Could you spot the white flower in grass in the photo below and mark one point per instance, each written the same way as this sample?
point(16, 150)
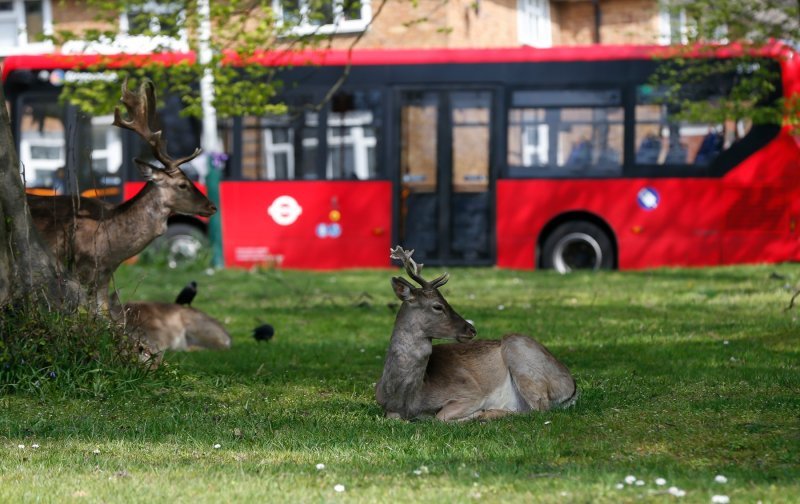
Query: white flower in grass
point(720, 499)
point(726, 342)
point(217, 446)
point(661, 481)
point(417, 472)
point(501, 307)
point(21, 447)
point(548, 422)
point(677, 492)
point(619, 486)
point(338, 488)
point(639, 483)
point(720, 479)
point(96, 451)
point(630, 479)
point(34, 446)
point(320, 467)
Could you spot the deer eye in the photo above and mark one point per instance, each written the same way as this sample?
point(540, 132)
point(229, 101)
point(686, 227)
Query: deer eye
point(183, 186)
point(438, 308)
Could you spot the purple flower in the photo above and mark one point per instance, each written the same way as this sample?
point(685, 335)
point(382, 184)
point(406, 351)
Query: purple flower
point(52, 375)
point(218, 159)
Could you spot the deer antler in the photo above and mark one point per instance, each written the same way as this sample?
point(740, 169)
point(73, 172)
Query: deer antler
point(141, 110)
point(414, 270)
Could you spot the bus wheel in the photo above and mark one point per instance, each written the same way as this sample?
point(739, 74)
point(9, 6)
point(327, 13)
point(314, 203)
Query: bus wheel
point(180, 245)
point(577, 245)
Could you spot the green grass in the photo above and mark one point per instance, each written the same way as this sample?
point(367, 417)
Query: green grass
point(685, 374)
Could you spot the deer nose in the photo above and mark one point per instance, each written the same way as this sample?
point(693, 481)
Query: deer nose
point(471, 331)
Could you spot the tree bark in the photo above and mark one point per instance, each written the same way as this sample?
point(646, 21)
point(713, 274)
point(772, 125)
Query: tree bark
point(28, 270)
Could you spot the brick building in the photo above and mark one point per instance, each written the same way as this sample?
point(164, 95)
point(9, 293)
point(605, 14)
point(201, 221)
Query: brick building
point(432, 23)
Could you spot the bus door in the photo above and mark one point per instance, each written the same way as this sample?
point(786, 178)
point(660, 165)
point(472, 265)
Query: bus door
point(445, 212)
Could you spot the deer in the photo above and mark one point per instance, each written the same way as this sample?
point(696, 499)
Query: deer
point(169, 326)
point(468, 379)
point(93, 237)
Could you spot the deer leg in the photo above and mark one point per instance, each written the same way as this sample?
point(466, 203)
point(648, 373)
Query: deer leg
point(457, 411)
point(540, 379)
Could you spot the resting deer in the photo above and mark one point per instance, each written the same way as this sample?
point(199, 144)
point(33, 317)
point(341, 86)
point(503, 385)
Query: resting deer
point(464, 380)
point(169, 326)
point(92, 237)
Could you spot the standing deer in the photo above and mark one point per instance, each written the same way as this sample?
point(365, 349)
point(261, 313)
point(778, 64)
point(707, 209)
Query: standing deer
point(465, 380)
point(92, 237)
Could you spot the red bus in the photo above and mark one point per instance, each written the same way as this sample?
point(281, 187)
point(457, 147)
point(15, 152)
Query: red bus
point(559, 158)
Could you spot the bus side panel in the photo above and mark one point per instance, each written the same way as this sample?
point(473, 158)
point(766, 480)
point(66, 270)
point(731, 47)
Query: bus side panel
point(655, 222)
point(306, 224)
point(761, 223)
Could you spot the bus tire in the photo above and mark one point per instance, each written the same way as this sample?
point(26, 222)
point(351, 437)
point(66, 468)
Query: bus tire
point(577, 245)
point(182, 244)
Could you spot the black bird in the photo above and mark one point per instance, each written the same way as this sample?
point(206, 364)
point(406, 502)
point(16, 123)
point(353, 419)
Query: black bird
point(187, 294)
point(263, 332)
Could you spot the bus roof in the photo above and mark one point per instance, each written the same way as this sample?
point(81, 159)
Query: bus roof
point(366, 57)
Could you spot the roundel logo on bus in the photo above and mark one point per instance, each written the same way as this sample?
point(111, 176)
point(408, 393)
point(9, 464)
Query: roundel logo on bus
point(284, 210)
point(648, 198)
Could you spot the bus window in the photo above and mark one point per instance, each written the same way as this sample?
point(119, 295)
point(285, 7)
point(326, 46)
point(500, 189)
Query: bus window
point(41, 144)
point(106, 155)
point(565, 133)
point(354, 124)
point(662, 139)
point(470, 141)
point(280, 147)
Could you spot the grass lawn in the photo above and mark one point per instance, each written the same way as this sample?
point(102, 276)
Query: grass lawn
point(685, 374)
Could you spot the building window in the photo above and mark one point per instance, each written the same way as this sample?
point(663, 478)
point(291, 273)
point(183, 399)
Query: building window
point(565, 134)
point(534, 23)
point(672, 26)
point(155, 24)
point(23, 23)
point(306, 17)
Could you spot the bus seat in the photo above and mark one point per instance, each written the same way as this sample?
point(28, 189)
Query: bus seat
point(711, 146)
point(649, 150)
point(581, 155)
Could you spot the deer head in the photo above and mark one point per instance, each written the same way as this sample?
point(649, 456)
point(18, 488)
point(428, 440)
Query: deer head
point(424, 308)
point(178, 193)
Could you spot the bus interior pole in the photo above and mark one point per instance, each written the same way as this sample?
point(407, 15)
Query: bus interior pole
point(209, 141)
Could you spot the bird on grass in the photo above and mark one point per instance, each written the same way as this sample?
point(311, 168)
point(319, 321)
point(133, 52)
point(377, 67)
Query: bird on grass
point(263, 332)
point(187, 294)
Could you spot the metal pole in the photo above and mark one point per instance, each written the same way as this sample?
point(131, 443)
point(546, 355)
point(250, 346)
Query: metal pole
point(210, 142)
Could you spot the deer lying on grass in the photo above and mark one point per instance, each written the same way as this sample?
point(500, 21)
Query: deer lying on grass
point(92, 237)
point(465, 380)
point(169, 326)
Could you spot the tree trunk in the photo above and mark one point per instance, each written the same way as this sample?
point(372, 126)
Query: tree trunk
point(28, 271)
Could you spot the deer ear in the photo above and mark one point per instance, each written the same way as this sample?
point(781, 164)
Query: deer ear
point(148, 171)
point(402, 289)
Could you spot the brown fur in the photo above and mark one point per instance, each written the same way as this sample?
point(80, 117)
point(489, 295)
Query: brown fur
point(465, 380)
point(168, 326)
point(92, 238)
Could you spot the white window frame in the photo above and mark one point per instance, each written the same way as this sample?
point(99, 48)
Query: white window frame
point(534, 25)
point(666, 20)
point(273, 148)
point(33, 165)
point(112, 154)
point(340, 25)
point(23, 45)
point(354, 136)
point(181, 43)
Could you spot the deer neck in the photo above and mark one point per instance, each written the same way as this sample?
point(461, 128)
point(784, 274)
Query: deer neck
point(137, 222)
point(404, 371)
